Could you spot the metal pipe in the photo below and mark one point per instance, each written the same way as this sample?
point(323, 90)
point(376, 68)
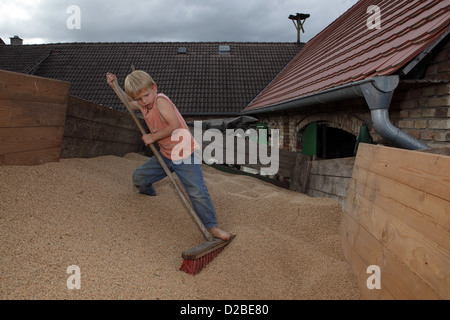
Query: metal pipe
point(387, 130)
point(347, 91)
point(378, 93)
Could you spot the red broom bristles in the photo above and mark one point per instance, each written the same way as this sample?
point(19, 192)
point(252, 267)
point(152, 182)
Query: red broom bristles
point(195, 266)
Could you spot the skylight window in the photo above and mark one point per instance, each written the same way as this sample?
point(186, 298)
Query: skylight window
point(224, 49)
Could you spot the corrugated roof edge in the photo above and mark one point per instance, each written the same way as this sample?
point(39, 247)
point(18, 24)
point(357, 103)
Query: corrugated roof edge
point(256, 97)
point(310, 99)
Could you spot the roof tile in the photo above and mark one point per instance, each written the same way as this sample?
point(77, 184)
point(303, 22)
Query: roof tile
point(199, 82)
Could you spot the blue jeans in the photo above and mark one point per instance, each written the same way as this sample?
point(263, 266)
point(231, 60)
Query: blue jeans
point(190, 175)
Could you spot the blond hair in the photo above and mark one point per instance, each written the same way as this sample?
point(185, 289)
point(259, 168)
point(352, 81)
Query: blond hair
point(137, 81)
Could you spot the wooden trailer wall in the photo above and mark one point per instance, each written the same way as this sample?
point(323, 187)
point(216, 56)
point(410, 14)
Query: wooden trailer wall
point(397, 219)
point(40, 123)
point(32, 116)
point(330, 179)
point(92, 130)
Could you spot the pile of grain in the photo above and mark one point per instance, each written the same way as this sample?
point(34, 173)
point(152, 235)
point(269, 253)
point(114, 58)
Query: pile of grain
point(86, 212)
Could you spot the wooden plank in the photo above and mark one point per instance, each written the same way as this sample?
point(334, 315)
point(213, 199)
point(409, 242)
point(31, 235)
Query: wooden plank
point(83, 109)
point(32, 117)
point(397, 197)
point(14, 140)
point(402, 282)
point(335, 168)
point(330, 178)
point(86, 129)
point(301, 173)
point(287, 162)
point(15, 114)
point(418, 249)
point(31, 158)
point(361, 250)
point(349, 229)
point(86, 148)
point(419, 170)
point(329, 184)
point(389, 197)
point(397, 208)
point(320, 194)
point(19, 87)
point(442, 151)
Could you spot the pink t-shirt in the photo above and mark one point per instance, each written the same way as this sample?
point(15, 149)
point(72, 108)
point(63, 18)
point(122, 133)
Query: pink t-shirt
point(181, 144)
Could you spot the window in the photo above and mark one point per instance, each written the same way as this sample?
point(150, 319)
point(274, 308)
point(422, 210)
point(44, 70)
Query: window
point(224, 49)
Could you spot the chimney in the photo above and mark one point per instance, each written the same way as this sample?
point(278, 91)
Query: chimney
point(16, 41)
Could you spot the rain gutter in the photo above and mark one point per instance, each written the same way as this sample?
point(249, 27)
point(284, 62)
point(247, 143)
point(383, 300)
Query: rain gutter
point(378, 93)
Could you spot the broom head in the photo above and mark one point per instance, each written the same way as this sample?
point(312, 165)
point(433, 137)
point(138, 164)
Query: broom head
point(197, 258)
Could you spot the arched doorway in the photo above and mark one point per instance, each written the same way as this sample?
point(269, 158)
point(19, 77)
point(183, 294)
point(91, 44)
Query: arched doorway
point(323, 141)
point(333, 143)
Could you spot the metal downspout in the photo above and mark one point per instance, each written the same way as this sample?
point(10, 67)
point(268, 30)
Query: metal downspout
point(378, 95)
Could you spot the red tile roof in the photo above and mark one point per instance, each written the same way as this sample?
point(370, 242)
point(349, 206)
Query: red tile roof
point(348, 51)
point(200, 81)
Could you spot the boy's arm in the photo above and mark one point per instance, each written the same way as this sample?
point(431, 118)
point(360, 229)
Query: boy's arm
point(169, 116)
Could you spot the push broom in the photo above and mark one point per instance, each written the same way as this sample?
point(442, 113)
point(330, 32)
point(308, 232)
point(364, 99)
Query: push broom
point(197, 258)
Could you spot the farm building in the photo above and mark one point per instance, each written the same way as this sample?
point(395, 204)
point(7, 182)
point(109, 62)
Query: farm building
point(353, 75)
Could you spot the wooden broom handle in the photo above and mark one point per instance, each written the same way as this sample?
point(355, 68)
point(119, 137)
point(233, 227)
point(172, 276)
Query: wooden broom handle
point(188, 205)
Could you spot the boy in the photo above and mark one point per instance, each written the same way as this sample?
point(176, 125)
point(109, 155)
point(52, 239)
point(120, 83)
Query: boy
point(164, 121)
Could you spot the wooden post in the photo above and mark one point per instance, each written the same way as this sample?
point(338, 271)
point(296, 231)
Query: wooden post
point(300, 174)
point(298, 21)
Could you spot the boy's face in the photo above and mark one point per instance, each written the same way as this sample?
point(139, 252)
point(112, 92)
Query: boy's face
point(145, 97)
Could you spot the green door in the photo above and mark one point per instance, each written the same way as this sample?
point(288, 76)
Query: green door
point(309, 140)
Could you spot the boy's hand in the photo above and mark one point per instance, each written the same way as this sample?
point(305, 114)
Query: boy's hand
point(148, 139)
point(110, 78)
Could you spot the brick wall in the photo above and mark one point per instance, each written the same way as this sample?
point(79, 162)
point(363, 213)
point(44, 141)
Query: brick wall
point(424, 113)
point(423, 110)
point(439, 67)
point(347, 115)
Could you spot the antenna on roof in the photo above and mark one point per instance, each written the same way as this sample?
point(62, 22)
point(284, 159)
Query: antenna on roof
point(298, 21)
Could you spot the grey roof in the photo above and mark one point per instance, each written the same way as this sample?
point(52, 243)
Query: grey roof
point(196, 76)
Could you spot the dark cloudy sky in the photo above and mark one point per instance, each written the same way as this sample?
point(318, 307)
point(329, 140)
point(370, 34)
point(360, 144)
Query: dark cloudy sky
point(46, 21)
